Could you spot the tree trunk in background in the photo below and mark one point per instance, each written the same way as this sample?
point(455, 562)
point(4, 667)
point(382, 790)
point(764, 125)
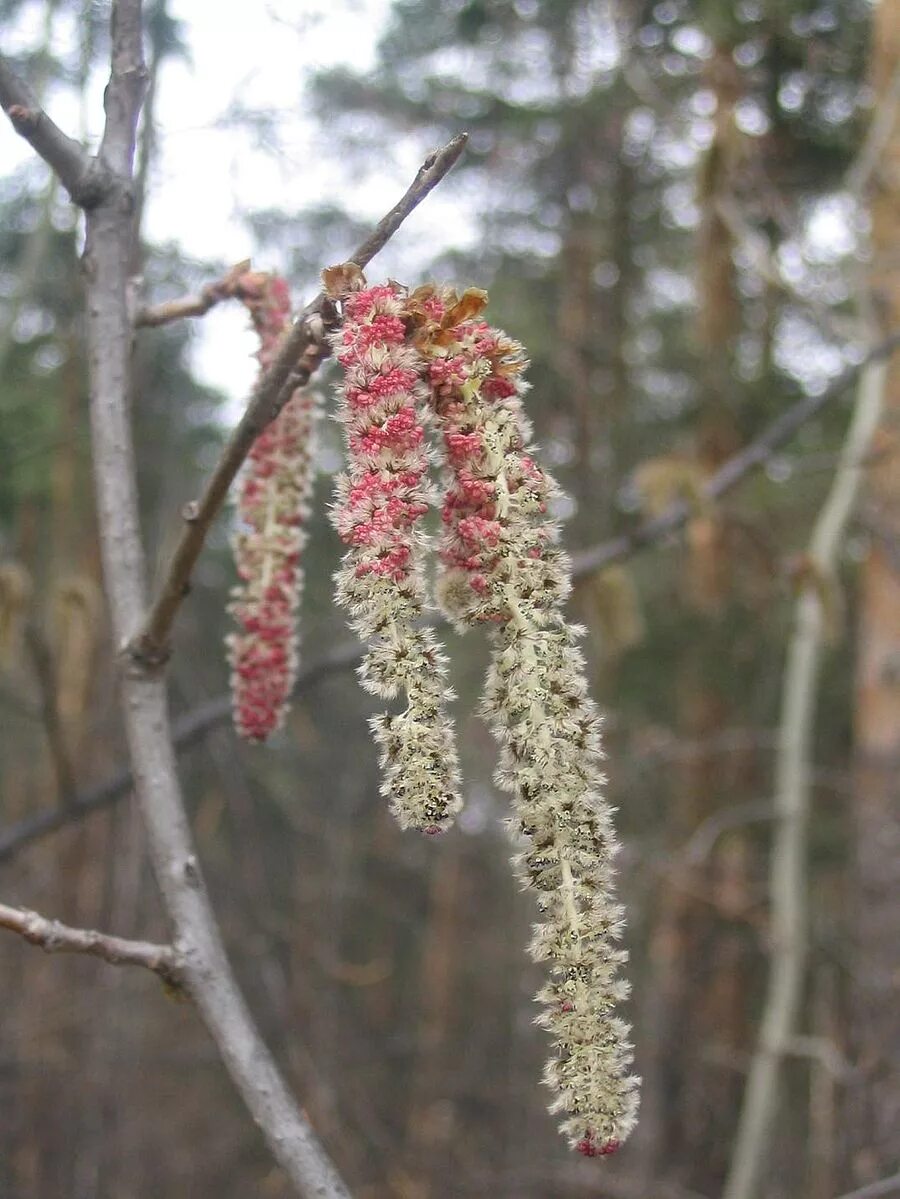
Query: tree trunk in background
point(699, 948)
point(874, 1099)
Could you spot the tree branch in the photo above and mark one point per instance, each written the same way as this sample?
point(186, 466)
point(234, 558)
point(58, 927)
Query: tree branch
point(54, 937)
point(205, 971)
point(125, 91)
point(76, 169)
point(750, 458)
point(299, 355)
point(212, 294)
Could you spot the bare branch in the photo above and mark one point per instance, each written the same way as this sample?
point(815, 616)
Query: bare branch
point(298, 357)
point(125, 90)
point(76, 170)
point(732, 472)
point(211, 295)
point(438, 164)
point(205, 972)
point(54, 937)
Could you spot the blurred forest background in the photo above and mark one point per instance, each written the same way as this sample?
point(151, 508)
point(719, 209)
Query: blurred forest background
point(688, 212)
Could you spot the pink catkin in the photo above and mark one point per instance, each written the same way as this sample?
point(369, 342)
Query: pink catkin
point(479, 497)
point(273, 505)
point(379, 511)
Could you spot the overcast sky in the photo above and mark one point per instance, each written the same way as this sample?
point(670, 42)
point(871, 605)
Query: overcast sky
point(258, 53)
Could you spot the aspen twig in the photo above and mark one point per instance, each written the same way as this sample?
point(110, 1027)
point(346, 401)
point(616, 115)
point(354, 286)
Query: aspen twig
point(54, 937)
point(208, 297)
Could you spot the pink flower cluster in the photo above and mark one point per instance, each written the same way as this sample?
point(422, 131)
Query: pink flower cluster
point(378, 513)
point(493, 489)
point(273, 505)
point(385, 494)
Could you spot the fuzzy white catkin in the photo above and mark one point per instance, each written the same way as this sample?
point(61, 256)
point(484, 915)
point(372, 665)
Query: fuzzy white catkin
point(502, 565)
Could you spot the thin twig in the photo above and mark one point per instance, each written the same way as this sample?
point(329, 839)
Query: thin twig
point(298, 357)
point(186, 306)
point(54, 937)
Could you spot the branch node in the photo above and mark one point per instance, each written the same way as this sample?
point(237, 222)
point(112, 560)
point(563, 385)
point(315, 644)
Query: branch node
point(146, 655)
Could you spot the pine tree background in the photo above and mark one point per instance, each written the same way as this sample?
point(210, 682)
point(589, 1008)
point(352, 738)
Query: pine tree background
point(627, 162)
